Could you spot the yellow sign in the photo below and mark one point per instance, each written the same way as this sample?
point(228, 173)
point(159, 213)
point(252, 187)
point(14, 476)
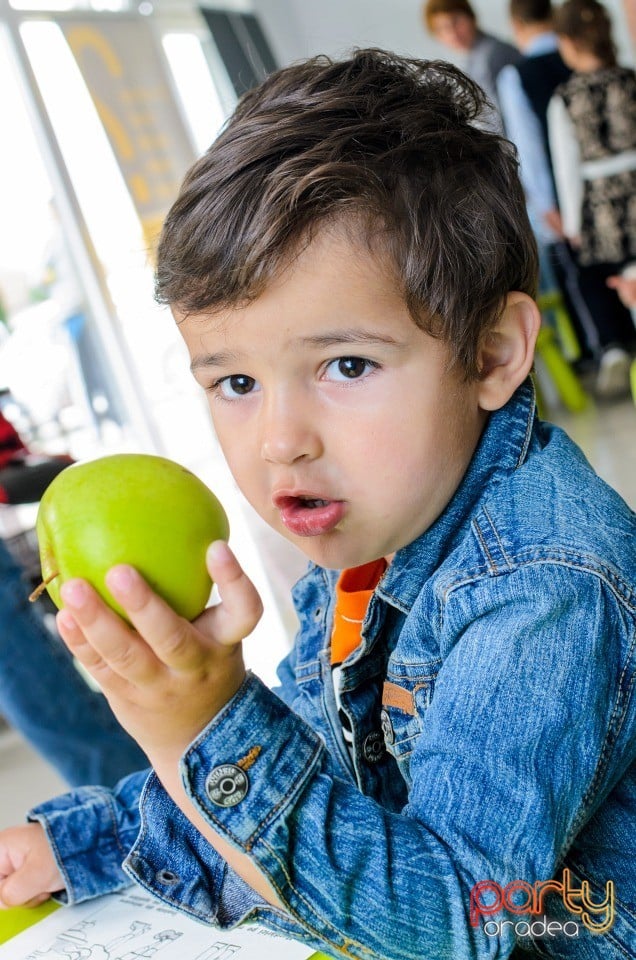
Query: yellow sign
point(125, 74)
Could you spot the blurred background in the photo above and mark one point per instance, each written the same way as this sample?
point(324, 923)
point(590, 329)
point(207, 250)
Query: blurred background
point(103, 107)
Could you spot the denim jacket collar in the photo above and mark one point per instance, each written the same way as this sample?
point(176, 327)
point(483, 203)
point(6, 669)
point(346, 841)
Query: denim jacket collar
point(503, 447)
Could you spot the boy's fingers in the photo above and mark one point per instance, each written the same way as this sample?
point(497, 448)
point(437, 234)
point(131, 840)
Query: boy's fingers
point(170, 637)
point(99, 638)
point(22, 888)
point(241, 607)
point(28, 870)
point(77, 643)
point(34, 902)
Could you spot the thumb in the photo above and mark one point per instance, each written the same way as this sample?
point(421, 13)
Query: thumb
point(241, 607)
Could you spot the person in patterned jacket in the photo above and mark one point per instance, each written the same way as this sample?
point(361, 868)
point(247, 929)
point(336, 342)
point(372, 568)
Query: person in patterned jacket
point(592, 129)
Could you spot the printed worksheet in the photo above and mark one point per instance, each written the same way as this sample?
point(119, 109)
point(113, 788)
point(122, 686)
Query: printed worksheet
point(133, 926)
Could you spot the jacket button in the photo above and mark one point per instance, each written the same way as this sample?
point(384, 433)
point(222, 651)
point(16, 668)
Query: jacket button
point(387, 727)
point(227, 785)
point(373, 747)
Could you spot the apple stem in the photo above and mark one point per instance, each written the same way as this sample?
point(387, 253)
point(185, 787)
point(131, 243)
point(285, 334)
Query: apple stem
point(39, 590)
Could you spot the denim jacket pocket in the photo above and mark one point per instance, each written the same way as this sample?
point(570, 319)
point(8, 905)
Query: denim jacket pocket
point(406, 696)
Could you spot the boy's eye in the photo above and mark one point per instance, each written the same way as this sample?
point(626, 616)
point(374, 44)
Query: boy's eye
point(349, 368)
point(238, 385)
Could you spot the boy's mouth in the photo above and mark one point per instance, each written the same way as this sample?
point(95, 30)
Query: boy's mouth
point(308, 516)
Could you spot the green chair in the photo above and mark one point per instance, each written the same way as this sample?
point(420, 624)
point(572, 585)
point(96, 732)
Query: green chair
point(558, 347)
point(551, 304)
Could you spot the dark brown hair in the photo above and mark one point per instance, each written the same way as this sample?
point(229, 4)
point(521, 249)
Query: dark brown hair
point(531, 11)
point(587, 23)
point(382, 143)
point(434, 7)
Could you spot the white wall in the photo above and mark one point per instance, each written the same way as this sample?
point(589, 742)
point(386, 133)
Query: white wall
point(302, 28)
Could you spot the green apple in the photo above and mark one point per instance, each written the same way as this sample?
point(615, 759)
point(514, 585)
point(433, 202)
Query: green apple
point(131, 508)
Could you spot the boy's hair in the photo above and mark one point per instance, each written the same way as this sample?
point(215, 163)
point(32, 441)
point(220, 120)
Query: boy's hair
point(530, 11)
point(434, 7)
point(383, 145)
point(588, 24)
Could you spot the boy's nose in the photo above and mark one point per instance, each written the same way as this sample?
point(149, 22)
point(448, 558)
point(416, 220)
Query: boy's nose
point(289, 435)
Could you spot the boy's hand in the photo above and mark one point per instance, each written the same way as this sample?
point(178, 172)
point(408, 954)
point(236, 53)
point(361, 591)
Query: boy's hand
point(166, 678)
point(28, 871)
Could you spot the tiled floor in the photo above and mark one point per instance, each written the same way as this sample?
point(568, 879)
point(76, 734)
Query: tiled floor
point(606, 434)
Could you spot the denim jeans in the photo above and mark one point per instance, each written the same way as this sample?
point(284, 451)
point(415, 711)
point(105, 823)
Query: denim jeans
point(47, 700)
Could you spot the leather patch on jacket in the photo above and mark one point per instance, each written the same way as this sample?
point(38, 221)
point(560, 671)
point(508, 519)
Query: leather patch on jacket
point(396, 696)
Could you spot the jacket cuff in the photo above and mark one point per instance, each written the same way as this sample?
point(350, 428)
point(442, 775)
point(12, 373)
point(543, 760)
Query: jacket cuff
point(240, 783)
point(78, 824)
point(246, 769)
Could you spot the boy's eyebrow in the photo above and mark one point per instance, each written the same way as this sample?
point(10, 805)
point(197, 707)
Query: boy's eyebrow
point(354, 335)
point(328, 339)
point(220, 359)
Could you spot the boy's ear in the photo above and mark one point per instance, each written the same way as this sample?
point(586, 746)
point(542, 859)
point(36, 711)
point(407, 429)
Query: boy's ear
point(507, 353)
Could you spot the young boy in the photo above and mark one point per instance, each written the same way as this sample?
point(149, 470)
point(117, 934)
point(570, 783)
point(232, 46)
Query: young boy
point(447, 769)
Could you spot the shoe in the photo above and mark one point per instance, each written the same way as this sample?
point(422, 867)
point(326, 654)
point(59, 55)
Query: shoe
point(612, 379)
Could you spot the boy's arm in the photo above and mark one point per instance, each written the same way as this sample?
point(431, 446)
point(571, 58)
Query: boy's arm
point(164, 689)
point(74, 846)
point(528, 676)
point(90, 830)
point(501, 771)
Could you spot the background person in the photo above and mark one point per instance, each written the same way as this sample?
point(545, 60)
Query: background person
point(454, 23)
point(525, 90)
point(592, 127)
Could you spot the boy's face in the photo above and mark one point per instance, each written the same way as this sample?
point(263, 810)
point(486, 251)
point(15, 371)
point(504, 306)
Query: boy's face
point(338, 416)
point(455, 30)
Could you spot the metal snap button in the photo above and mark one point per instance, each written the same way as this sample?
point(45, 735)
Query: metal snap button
point(387, 727)
point(227, 785)
point(373, 747)
point(167, 877)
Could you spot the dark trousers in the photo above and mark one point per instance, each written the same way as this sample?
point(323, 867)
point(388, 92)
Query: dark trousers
point(567, 275)
point(612, 319)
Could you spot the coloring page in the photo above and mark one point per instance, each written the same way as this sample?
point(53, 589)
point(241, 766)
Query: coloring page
point(133, 926)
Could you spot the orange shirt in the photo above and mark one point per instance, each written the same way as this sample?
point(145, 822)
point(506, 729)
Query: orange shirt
point(354, 590)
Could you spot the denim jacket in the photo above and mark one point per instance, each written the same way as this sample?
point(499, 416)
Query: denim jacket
point(494, 718)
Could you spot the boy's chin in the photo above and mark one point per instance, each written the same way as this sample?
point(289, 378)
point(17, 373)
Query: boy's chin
point(337, 554)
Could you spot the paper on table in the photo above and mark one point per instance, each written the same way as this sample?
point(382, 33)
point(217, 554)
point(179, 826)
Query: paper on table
point(133, 926)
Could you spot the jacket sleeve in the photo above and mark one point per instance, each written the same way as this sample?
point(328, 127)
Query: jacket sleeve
point(502, 775)
point(524, 129)
point(90, 831)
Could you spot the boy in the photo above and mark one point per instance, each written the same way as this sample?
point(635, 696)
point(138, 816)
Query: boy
point(352, 269)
